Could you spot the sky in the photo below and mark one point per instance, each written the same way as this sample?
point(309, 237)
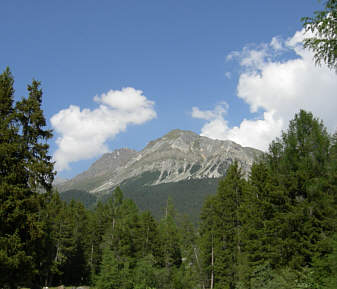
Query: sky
point(122, 73)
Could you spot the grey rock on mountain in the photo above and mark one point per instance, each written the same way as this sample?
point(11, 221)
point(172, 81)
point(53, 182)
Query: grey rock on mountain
point(109, 162)
point(177, 156)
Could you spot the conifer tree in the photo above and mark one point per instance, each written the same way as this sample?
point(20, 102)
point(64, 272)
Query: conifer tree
point(38, 165)
point(303, 213)
point(63, 243)
point(75, 269)
point(97, 224)
point(169, 238)
point(207, 240)
point(190, 271)
point(149, 235)
point(112, 274)
point(221, 231)
point(24, 168)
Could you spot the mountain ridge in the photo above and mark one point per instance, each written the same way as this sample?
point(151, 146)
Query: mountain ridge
point(177, 156)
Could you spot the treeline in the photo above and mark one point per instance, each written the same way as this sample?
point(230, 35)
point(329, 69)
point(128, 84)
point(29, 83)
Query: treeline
point(276, 229)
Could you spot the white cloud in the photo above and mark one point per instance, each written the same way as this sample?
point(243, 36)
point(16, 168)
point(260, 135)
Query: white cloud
point(218, 112)
point(83, 133)
point(278, 87)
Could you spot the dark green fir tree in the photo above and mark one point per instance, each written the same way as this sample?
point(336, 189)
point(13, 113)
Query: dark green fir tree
point(25, 169)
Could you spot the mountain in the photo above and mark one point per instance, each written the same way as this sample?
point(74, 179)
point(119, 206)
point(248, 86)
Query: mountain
point(181, 165)
point(176, 157)
point(99, 171)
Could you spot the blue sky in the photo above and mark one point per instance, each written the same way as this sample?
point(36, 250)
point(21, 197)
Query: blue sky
point(205, 66)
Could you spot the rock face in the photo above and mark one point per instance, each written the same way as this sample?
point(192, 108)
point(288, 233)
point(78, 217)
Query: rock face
point(99, 170)
point(179, 155)
point(108, 162)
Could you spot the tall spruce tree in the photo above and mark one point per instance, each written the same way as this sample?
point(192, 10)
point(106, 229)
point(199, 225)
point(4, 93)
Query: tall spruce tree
point(24, 168)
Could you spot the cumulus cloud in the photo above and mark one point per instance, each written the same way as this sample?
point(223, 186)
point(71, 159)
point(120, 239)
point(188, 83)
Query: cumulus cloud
point(276, 87)
point(83, 133)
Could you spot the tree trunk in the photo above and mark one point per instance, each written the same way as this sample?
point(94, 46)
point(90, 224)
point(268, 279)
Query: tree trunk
point(212, 264)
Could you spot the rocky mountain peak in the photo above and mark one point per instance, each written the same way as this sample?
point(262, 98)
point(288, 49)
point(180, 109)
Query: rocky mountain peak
point(107, 163)
point(179, 155)
point(111, 161)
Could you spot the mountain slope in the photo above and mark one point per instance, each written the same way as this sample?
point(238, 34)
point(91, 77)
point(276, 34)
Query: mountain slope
point(188, 196)
point(177, 156)
point(98, 171)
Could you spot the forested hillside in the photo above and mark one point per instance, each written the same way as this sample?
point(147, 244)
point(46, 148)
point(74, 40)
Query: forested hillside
point(187, 196)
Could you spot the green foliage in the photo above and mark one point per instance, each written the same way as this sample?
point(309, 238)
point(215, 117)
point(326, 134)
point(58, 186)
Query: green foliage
point(324, 269)
point(221, 231)
point(66, 250)
point(114, 275)
point(187, 196)
point(139, 252)
point(145, 274)
point(266, 278)
point(302, 210)
point(88, 200)
point(324, 40)
point(275, 231)
point(25, 167)
point(170, 246)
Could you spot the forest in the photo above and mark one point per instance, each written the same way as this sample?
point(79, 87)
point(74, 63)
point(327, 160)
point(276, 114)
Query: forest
point(274, 229)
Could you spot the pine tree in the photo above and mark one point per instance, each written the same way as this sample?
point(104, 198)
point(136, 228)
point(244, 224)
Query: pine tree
point(112, 275)
point(24, 167)
point(169, 236)
point(149, 235)
point(75, 269)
